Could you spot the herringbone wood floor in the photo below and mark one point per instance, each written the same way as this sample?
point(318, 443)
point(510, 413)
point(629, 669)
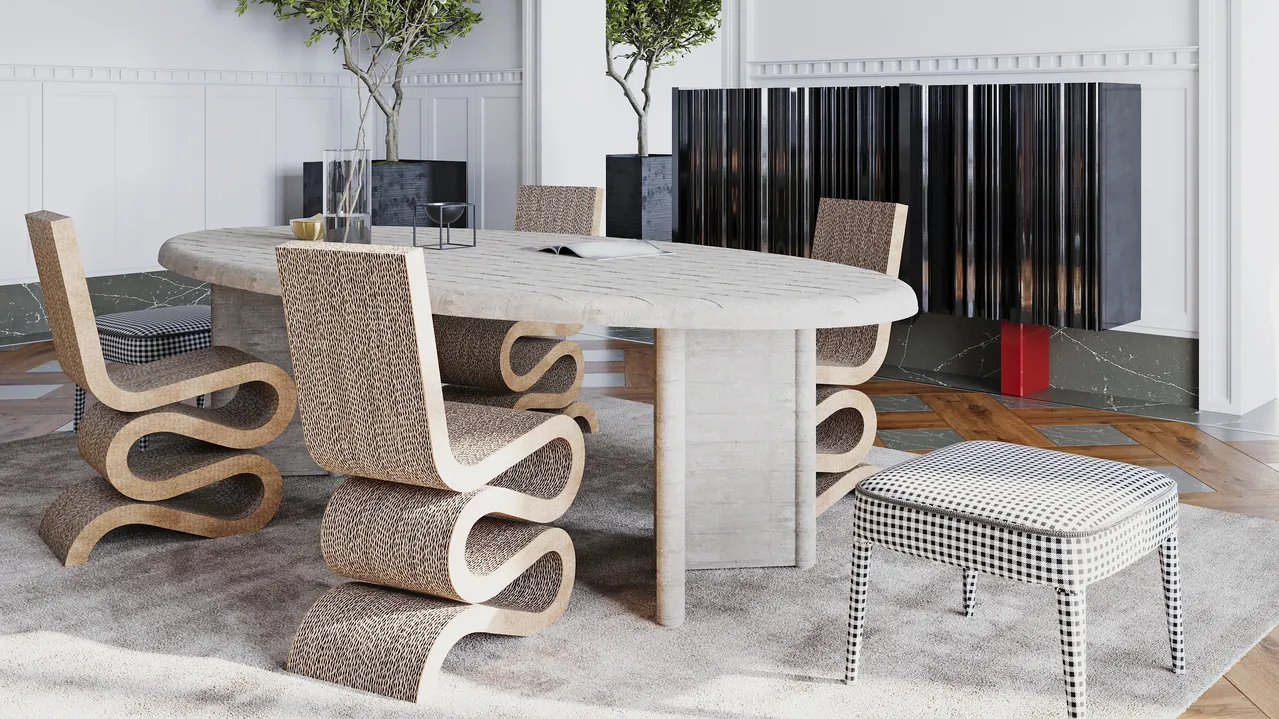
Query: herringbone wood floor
point(1243, 474)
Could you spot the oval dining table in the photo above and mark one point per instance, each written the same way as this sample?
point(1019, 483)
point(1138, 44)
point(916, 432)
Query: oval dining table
point(735, 386)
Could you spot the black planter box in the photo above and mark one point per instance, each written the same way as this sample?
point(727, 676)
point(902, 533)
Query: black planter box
point(395, 186)
point(637, 197)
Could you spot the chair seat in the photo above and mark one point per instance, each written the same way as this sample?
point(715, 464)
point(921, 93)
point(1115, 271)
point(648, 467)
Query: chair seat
point(1037, 491)
point(149, 335)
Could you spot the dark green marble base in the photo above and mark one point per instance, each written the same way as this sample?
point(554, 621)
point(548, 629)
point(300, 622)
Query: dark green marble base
point(1150, 368)
point(23, 319)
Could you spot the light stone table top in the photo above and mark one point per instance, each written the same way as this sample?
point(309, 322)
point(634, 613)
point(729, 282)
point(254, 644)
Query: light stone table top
point(697, 288)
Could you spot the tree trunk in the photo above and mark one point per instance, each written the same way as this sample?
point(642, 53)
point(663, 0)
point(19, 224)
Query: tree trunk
point(643, 135)
point(393, 138)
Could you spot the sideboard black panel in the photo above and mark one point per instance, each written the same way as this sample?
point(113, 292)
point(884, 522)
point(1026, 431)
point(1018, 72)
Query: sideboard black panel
point(1025, 200)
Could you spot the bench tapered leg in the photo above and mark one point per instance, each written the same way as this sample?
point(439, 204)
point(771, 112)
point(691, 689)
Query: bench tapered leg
point(970, 592)
point(858, 585)
point(1172, 601)
point(1070, 619)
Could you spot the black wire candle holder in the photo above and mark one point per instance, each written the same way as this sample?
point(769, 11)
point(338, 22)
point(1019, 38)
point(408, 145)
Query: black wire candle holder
point(445, 215)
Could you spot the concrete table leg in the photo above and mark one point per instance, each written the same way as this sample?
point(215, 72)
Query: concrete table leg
point(669, 465)
point(735, 454)
point(805, 448)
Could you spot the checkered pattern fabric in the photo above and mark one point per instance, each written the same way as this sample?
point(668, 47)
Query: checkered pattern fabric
point(1172, 602)
point(146, 336)
point(1027, 514)
point(1021, 488)
point(858, 586)
point(970, 592)
point(1074, 648)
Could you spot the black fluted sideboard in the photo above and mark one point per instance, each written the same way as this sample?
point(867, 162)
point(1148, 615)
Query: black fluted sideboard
point(1025, 200)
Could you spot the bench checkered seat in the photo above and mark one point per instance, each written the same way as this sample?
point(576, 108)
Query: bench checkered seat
point(146, 336)
point(1032, 515)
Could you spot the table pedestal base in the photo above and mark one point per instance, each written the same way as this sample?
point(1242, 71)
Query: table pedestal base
point(255, 323)
point(735, 454)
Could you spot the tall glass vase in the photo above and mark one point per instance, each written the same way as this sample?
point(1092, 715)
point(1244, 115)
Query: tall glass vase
point(348, 196)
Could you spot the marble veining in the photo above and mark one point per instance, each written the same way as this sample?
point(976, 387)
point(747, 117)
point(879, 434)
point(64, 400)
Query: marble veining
point(898, 403)
point(1127, 368)
point(1083, 435)
point(1125, 364)
point(907, 440)
point(941, 343)
point(22, 315)
point(941, 379)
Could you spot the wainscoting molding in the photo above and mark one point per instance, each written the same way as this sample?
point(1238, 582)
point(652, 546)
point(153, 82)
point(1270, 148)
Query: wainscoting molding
point(39, 73)
point(137, 155)
point(1127, 60)
point(480, 77)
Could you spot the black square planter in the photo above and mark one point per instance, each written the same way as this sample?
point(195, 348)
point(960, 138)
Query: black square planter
point(637, 197)
point(395, 185)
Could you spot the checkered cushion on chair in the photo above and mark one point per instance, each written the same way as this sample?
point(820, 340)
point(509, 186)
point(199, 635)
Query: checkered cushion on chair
point(149, 335)
point(1028, 514)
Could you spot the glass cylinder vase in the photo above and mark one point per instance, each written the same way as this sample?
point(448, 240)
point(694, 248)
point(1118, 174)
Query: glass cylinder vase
point(348, 196)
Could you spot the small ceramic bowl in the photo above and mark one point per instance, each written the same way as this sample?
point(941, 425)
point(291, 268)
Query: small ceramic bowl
point(308, 228)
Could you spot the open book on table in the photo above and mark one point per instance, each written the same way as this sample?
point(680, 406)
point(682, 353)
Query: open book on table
point(607, 249)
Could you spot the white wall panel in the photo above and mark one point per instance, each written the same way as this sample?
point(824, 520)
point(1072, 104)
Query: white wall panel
point(20, 178)
point(240, 187)
point(139, 156)
point(1169, 210)
point(448, 128)
point(80, 156)
point(412, 117)
point(159, 172)
point(499, 150)
point(120, 160)
point(480, 124)
point(308, 122)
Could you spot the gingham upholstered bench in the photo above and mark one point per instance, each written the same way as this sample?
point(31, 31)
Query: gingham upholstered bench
point(146, 336)
point(1032, 515)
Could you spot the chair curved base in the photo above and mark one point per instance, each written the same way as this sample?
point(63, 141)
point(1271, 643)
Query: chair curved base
point(846, 425)
point(585, 416)
point(212, 446)
point(87, 511)
point(834, 486)
point(393, 642)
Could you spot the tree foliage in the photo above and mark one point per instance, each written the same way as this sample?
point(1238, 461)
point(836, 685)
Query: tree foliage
point(655, 33)
point(379, 38)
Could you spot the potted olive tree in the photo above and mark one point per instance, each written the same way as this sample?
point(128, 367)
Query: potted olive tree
point(377, 40)
point(651, 33)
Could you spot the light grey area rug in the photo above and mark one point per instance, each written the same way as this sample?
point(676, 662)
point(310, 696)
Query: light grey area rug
point(160, 625)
